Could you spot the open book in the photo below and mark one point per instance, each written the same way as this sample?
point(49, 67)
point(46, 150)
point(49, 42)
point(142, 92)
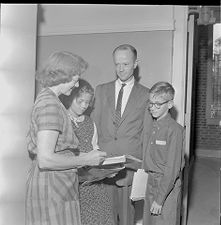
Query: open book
point(109, 168)
point(90, 174)
point(120, 159)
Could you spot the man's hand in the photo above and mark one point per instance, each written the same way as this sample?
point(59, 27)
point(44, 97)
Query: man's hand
point(127, 180)
point(156, 208)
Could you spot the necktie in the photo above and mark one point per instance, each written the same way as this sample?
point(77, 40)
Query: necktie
point(118, 108)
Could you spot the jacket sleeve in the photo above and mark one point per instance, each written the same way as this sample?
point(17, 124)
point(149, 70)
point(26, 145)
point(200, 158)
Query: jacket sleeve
point(96, 113)
point(147, 126)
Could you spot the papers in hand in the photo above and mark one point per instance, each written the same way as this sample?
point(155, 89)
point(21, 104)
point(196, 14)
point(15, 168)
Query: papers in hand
point(109, 168)
point(88, 175)
point(139, 185)
point(120, 159)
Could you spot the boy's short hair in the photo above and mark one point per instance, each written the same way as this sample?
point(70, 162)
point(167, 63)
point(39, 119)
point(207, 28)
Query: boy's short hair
point(163, 88)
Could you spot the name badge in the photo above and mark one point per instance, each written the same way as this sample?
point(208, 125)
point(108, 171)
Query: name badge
point(158, 142)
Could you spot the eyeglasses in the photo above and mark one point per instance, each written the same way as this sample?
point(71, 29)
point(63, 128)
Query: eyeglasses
point(157, 104)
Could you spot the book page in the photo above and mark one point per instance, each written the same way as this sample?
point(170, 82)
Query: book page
point(120, 159)
point(132, 158)
point(114, 160)
point(88, 174)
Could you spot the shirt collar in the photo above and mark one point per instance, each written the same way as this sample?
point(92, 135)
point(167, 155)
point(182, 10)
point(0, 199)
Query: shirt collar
point(163, 121)
point(130, 82)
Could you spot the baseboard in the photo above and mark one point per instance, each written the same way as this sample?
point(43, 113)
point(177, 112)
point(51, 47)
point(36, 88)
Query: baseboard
point(208, 153)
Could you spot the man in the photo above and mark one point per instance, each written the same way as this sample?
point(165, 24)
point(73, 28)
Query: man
point(119, 133)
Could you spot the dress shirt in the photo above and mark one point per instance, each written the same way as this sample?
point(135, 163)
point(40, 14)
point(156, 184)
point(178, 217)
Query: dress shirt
point(126, 93)
point(94, 140)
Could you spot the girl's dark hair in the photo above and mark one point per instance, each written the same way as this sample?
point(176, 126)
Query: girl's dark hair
point(84, 87)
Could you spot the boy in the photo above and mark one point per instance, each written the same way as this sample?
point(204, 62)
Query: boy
point(163, 159)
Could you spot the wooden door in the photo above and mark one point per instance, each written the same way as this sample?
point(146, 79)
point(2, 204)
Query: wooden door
point(189, 116)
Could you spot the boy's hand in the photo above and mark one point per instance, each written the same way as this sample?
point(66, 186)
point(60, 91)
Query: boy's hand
point(156, 208)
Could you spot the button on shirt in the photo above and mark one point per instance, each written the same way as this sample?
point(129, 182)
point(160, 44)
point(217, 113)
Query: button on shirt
point(127, 90)
point(165, 154)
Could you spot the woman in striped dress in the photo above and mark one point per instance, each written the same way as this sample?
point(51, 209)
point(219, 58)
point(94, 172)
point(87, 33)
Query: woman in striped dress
point(52, 196)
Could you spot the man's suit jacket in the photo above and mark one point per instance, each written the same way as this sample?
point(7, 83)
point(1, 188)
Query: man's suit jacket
point(127, 139)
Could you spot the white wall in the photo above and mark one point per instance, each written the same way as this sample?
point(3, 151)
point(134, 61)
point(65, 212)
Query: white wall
point(17, 69)
point(103, 18)
point(158, 32)
point(154, 53)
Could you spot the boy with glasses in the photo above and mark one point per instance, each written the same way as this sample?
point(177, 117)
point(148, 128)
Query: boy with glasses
point(163, 159)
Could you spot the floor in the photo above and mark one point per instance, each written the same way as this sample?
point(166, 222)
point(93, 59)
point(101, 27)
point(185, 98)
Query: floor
point(204, 197)
point(204, 193)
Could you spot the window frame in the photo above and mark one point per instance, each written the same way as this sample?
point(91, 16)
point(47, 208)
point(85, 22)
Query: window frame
point(210, 120)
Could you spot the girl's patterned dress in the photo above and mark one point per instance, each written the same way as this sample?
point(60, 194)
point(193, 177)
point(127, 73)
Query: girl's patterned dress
point(95, 205)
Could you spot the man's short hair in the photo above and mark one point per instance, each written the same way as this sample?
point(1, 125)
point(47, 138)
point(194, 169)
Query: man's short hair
point(126, 47)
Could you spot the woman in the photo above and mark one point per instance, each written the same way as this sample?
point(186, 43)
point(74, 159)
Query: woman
point(52, 186)
point(94, 200)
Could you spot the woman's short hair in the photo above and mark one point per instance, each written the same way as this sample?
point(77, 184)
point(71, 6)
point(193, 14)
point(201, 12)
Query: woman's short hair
point(60, 67)
point(84, 87)
point(163, 88)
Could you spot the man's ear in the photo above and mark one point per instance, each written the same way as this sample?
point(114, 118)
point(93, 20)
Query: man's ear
point(135, 63)
point(170, 104)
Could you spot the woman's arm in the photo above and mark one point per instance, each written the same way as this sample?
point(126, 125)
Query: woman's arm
point(48, 159)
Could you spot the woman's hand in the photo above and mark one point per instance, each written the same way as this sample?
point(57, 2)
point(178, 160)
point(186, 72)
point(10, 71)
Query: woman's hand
point(95, 157)
point(75, 80)
point(76, 84)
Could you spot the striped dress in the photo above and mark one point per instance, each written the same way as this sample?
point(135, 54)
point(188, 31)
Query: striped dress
point(52, 196)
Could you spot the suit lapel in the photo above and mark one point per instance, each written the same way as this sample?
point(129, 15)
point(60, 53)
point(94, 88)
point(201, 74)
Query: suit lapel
point(133, 98)
point(111, 98)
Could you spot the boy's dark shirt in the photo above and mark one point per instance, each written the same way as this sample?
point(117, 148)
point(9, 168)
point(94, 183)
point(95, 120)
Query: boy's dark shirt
point(164, 155)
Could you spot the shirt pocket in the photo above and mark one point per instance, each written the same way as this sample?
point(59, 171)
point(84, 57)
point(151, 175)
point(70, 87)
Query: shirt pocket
point(161, 152)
